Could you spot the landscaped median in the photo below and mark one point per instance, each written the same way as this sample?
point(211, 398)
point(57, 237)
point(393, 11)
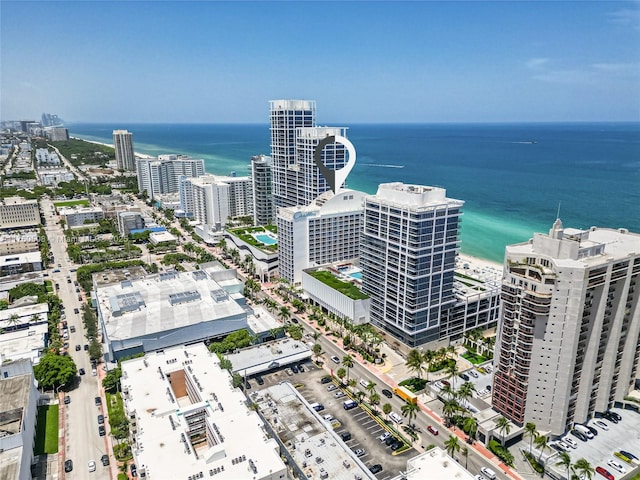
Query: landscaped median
point(46, 430)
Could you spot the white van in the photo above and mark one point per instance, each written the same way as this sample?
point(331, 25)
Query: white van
point(395, 417)
point(583, 429)
point(487, 472)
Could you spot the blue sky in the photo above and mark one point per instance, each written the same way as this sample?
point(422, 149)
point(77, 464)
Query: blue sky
point(364, 62)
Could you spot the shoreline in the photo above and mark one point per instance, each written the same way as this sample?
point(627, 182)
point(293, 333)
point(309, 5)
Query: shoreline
point(137, 154)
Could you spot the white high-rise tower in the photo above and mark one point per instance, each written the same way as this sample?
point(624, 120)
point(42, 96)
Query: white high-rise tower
point(123, 143)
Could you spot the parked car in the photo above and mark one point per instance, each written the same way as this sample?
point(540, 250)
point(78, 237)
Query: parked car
point(359, 452)
point(331, 387)
point(387, 393)
point(434, 431)
point(76, 311)
point(325, 379)
point(294, 369)
point(593, 430)
point(67, 400)
point(395, 445)
point(616, 466)
point(617, 416)
point(100, 419)
point(105, 460)
point(601, 424)
point(78, 348)
point(98, 401)
point(134, 470)
point(346, 436)
point(301, 367)
point(68, 466)
point(629, 455)
point(577, 434)
point(260, 380)
point(86, 347)
point(340, 394)
point(73, 329)
point(377, 468)
point(102, 431)
point(81, 371)
point(610, 417)
point(604, 472)
point(384, 436)
point(570, 441)
point(92, 466)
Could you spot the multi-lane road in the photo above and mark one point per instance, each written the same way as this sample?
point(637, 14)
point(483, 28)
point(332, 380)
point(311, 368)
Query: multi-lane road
point(82, 441)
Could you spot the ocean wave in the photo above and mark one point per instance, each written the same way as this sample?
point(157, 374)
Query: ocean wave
point(382, 165)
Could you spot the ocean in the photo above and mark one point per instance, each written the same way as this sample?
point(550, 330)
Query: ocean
point(513, 177)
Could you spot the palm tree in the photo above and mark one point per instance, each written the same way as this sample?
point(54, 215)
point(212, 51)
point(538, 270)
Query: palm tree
point(360, 394)
point(471, 427)
point(341, 373)
point(565, 461)
point(370, 388)
point(583, 467)
point(410, 410)
point(347, 361)
point(449, 408)
point(466, 391)
point(465, 454)
point(35, 318)
point(452, 445)
point(386, 409)
point(541, 444)
point(317, 350)
point(453, 371)
point(285, 313)
point(415, 362)
point(448, 392)
point(13, 319)
point(504, 427)
point(530, 430)
point(428, 356)
point(374, 399)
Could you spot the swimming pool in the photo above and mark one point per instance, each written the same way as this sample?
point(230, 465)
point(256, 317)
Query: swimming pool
point(356, 275)
point(266, 239)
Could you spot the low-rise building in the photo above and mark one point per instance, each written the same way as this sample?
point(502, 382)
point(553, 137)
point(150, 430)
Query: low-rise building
point(434, 464)
point(168, 309)
point(159, 237)
point(20, 263)
point(13, 243)
point(78, 216)
point(16, 212)
point(54, 176)
point(188, 421)
point(267, 356)
point(129, 221)
point(18, 411)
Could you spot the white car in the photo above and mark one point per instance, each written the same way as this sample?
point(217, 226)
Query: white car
point(473, 373)
point(601, 424)
point(384, 436)
point(480, 477)
point(340, 394)
point(570, 441)
point(563, 445)
point(92, 466)
point(616, 466)
point(331, 387)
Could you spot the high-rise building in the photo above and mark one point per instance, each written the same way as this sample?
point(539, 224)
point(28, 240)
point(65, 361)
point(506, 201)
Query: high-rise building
point(212, 199)
point(123, 143)
point(162, 176)
point(286, 116)
point(569, 336)
point(409, 246)
point(263, 208)
point(326, 231)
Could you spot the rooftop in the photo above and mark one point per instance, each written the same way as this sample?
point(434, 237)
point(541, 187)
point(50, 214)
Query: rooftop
point(265, 356)
point(261, 320)
point(20, 258)
point(160, 302)
point(26, 343)
point(189, 420)
point(314, 446)
point(435, 464)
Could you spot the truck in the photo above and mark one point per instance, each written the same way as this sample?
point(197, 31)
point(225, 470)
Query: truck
point(407, 395)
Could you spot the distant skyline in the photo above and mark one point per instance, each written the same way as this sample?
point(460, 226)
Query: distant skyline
point(363, 62)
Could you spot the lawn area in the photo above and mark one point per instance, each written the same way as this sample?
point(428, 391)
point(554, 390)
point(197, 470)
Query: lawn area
point(474, 358)
point(346, 288)
point(114, 404)
point(72, 203)
point(47, 430)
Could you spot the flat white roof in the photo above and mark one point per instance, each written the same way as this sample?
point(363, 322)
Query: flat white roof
point(266, 356)
point(157, 237)
point(261, 320)
point(170, 422)
point(25, 343)
point(164, 301)
point(20, 258)
point(25, 313)
point(435, 464)
point(78, 210)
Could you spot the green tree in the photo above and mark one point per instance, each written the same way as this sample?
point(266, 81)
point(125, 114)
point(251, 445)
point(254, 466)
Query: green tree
point(504, 427)
point(341, 373)
point(347, 361)
point(410, 410)
point(583, 467)
point(386, 409)
point(95, 349)
point(541, 444)
point(371, 387)
point(471, 427)
point(564, 460)
point(465, 453)
point(317, 350)
point(374, 400)
point(111, 381)
point(236, 380)
point(530, 430)
point(465, 391)
point(449, 408)
point(415, 362)
point(54, 371)
point(285, 313)
point(295, 331)
point(452, 445)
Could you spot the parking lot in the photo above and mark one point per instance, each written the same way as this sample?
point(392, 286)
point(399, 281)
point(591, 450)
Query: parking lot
point(365, 431)
point(625, 435)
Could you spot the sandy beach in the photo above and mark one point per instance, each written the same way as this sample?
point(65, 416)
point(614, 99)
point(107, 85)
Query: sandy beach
point(110, 145)
point(480, 266)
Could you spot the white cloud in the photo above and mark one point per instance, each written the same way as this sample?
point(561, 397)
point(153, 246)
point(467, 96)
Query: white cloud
point(626, 16)
point(536, 63)
point(567, 77)
point(616, 67)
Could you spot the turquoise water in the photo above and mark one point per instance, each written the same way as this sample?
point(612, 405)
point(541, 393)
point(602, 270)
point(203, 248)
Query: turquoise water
point(266, 239)
point(356, 275)
point(512, 177)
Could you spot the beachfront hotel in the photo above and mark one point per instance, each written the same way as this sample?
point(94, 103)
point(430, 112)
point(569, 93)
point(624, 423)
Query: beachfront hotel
point(568, 343)
point(408, 252)
point(263, 207)
point(326, 231)
point(123, 144)
point(162, 176)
